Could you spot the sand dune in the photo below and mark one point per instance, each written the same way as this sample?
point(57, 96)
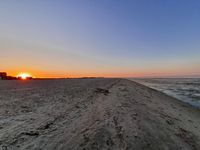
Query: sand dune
point(94, 114)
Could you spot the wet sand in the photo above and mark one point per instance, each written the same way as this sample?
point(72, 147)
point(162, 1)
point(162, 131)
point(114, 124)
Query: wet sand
point(91, 114)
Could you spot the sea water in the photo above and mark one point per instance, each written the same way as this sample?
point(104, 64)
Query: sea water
point(184, 89)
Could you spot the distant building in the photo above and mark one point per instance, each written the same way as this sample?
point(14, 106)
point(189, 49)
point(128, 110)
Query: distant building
point(3, 75)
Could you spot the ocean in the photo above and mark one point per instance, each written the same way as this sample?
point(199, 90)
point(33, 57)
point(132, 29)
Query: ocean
point(184, 89)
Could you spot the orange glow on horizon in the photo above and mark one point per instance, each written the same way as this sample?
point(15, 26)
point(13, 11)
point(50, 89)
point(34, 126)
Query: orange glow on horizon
point(24, 76)
point(124, 73)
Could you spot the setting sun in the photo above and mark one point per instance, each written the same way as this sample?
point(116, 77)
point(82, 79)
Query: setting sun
point(24, 76)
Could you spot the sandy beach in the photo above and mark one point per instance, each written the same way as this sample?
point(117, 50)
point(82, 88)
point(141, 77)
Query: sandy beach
point(92, 114)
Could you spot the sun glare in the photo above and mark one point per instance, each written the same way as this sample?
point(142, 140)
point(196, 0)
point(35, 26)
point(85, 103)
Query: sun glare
point(24, 76)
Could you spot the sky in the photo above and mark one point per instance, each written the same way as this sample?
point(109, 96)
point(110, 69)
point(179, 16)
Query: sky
point(110, 38)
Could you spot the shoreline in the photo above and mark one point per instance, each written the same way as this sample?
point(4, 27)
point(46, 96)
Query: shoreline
point(173, 97)
point(184, 99)
point(95, 113)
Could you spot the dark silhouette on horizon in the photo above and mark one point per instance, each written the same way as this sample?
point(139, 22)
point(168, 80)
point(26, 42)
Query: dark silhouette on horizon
point(3, 76)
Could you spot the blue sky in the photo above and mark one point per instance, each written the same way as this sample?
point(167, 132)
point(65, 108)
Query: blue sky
point(105, 37)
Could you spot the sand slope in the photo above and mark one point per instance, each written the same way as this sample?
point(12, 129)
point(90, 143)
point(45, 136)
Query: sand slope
point(94, 114)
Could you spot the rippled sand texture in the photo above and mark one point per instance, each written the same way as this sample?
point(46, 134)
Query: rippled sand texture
point(94, 114)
